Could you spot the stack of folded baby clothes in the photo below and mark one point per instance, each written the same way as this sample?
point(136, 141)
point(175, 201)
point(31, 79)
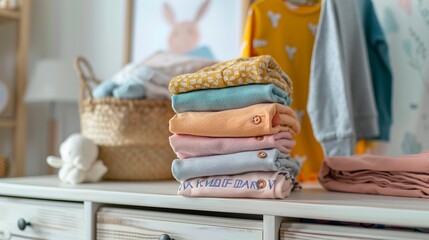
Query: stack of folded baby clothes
point(234, 130)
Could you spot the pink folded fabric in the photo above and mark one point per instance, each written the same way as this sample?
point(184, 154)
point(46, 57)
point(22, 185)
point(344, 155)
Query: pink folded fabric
point(187, 146)
point(406, 176)
point(247, 185)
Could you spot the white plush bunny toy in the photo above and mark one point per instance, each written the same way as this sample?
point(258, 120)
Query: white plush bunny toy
point(78, 162)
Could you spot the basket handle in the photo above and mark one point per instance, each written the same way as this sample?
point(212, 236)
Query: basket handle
point(86, 75)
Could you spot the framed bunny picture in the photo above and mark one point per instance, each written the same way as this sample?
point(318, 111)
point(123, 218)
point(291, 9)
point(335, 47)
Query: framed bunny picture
point(210, 29)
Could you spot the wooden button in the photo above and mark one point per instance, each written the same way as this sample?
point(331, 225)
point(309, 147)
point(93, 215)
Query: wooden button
point(256, 119)
point(261, 184)
point(259, 138)
point(262, 154)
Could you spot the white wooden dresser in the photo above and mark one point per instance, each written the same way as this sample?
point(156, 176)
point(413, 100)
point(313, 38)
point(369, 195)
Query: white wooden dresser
point(43, 208)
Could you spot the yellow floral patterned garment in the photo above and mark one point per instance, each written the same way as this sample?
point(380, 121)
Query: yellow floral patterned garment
point(287, 33)
point(242, 71)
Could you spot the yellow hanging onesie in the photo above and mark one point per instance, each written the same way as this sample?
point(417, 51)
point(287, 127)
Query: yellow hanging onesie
point(287, 32)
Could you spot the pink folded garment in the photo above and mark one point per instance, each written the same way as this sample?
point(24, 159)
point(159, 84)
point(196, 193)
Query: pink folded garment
point(247, 185)
point(187, 146)
point(406, 176)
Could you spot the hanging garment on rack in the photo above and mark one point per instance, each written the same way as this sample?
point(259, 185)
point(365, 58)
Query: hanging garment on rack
point(379, 62)
point(287, 32)
point(382, 79)
point(341, 101)
point(406, 31)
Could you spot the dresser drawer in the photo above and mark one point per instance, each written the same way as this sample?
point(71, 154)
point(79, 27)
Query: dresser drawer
point(48, 219)
point(291, 231)
point(117, 224)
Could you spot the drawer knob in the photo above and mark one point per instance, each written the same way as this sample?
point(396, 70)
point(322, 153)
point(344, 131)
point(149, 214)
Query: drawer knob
point(22, 224)
point(165, 237)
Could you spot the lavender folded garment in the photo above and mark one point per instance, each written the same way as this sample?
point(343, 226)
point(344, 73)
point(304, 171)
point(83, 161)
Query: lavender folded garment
point(247, 185)
point(406, 176)
point(235, 163)
point(187, 146)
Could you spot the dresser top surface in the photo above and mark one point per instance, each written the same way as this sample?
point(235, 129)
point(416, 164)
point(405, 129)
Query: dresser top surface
point(311, 202)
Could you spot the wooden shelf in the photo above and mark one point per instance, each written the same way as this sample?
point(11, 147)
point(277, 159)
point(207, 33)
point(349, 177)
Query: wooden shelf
point(21, 19)
point(9, 15)
point(7, 122)
point(312, 202)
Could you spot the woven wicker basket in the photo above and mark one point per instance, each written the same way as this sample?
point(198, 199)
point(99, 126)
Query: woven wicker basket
point(132, 135)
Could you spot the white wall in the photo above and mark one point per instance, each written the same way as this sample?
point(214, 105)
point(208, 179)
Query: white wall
point(65, 29)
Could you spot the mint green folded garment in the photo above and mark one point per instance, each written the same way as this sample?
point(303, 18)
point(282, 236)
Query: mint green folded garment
point(236, 163)
point(229, 98)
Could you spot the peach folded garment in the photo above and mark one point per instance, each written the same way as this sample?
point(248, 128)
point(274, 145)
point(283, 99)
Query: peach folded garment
point(247, 185)
point(256, 120)
point(406, 176)
point(187, 146)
